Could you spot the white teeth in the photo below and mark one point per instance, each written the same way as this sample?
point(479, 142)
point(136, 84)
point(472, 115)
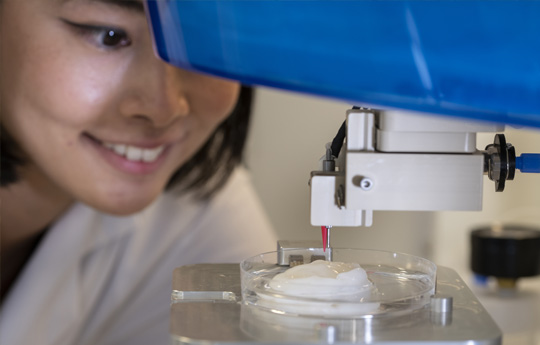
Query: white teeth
point(120, 149)
point(152, 155)
point(135, 154)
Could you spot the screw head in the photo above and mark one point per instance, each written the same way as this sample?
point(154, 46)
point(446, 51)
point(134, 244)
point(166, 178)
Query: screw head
point(366, 183)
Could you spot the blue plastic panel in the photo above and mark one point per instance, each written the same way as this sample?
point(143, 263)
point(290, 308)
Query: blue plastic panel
point(474, 59)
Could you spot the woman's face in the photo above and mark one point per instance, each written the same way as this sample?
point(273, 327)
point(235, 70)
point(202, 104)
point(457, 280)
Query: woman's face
point(90, 105)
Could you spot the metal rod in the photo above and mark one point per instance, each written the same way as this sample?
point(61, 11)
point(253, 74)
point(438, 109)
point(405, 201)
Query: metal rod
point(328, 251)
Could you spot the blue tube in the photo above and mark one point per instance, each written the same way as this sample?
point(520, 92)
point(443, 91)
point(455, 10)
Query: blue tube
point(528, 163)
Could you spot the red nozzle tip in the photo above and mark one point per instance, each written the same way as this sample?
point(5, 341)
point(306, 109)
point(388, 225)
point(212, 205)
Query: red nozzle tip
point(324, 233)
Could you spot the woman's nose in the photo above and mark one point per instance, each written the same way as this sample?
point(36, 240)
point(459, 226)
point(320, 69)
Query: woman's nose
point(157, 93)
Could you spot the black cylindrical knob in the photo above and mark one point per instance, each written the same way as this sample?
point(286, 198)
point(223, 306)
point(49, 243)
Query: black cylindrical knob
point(509, 251)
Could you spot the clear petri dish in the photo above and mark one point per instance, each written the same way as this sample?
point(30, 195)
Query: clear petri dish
point(399, 283)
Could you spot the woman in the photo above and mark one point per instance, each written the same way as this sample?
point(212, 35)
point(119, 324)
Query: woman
point(94, 129)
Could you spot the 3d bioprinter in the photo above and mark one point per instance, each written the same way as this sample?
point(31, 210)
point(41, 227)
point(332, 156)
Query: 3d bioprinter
point(425, 77)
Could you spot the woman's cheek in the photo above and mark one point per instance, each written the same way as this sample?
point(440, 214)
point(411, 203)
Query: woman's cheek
point(89, 93)
point(218, 99)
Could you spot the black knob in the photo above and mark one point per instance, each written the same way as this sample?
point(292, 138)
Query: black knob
point(509, 251)
point(500, 162)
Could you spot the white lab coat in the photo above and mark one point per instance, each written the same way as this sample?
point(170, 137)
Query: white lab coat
point(101, 279)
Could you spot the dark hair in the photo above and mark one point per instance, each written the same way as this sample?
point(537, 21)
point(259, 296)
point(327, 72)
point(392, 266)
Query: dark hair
point(205, 173)
point(10, 158)
point(208, 170)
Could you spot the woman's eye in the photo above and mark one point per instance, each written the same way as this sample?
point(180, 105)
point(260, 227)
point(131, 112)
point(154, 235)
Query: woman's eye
point(102, 37)
point(112, 38)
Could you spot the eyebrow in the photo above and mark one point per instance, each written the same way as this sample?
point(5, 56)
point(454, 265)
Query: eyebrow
point(131, 5)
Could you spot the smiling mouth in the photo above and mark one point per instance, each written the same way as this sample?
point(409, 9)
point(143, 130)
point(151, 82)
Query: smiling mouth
point(134, 153)
point(130, 152)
